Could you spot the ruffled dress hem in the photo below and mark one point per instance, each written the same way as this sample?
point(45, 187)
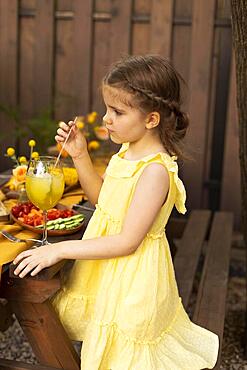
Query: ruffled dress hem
point(197, 347)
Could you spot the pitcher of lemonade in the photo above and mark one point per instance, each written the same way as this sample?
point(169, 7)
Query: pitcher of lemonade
point(44, 186)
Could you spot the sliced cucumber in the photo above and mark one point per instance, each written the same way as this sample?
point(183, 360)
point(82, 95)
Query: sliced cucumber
point(50, 227)
point(64, 223)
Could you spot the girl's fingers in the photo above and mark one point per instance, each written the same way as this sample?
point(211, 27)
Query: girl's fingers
point(59, 139)
point(27, 269)
point(37, 270)
point(21, 256)
point(64, 126)
point(22, 265)
point(62, 133)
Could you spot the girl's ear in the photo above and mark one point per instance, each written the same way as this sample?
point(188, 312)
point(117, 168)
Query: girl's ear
point(152, 120)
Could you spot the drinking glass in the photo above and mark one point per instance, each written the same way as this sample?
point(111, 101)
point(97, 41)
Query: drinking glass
point(44, 186)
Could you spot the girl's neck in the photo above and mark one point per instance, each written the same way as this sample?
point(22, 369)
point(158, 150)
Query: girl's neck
point(144, 147)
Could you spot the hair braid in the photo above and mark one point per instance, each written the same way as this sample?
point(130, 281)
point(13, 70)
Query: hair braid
point(171, 105)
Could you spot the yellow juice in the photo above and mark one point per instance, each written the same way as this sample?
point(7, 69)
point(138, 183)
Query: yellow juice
point(45, 190)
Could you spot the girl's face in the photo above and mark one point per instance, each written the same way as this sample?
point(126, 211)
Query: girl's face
point(124, 122)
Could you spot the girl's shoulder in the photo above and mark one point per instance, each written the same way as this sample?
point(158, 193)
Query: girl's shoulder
point(120, 166)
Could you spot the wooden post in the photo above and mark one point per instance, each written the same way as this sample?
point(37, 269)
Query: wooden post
point(29, 300)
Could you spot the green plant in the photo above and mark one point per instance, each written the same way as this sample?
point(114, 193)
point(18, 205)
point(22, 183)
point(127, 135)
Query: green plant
point(42, 127)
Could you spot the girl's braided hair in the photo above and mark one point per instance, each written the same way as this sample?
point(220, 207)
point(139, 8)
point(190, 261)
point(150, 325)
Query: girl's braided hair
point(155, 86)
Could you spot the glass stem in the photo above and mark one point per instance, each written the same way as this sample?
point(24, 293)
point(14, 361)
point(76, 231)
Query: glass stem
point(44, 239)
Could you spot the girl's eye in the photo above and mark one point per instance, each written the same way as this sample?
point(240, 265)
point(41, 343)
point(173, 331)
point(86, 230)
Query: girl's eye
point(117, 112)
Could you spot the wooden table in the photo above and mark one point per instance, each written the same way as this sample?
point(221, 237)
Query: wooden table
point(29, 299)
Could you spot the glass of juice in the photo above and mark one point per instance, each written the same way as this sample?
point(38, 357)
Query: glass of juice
point(44, 186)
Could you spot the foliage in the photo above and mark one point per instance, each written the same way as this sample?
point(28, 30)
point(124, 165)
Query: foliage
point(43, 127)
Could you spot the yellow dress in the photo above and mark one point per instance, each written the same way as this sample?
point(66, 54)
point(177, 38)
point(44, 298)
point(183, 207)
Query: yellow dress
point(127, 310)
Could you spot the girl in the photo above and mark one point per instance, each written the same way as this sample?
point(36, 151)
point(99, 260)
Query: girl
point(121, 297)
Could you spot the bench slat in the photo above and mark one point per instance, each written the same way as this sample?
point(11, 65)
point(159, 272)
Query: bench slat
point(189, 250)
point(19, 365)
point(211, 298)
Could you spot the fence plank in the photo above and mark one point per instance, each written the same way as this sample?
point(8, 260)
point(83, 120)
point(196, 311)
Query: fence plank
point(200, 69)
point(100, 63)
point(121, 28)
point(211, 298)
point(190, 244)
point(64, 66)
point(161, 27)
point(82, 54)
point(43, 55)
point(231, 200)
point(8, 70)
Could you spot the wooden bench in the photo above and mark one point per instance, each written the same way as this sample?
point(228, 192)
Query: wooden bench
point(205, 238)
point(202, 234)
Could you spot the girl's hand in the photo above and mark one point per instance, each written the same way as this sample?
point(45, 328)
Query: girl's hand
point(37, 259)
point(76, 144)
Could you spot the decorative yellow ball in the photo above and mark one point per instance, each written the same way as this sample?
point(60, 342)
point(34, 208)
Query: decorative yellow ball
point(23, 160)
point(80, 124)
point(32, 143)
point(35, 155)
point(10, 152)
point(93, 145)
point(91, 118)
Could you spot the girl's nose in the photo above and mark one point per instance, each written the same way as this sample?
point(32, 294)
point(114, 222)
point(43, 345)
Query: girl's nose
point(107, 120)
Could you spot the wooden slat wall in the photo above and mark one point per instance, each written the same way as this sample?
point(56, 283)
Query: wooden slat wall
point(60, 50)
point(161, 27)
point(8, 68)
point(121, 28)
point(82, 55)
point(43, 61)
point(199, 84)
point(230, 190)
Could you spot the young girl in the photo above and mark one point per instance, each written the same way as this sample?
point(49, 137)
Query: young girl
point(121, 297)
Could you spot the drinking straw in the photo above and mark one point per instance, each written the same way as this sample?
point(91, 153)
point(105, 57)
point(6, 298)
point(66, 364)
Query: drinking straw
point(65, 141)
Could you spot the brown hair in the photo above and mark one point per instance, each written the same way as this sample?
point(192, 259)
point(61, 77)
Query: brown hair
point(155, 84)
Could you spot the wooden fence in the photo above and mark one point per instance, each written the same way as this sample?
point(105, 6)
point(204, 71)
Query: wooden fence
point(54, 54)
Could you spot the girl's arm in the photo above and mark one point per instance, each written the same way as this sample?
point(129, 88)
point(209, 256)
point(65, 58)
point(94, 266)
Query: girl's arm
point(88, 176)
point(150, 193)
point(76, 146)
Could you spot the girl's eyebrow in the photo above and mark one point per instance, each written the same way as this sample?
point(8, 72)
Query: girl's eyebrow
point(115, 108)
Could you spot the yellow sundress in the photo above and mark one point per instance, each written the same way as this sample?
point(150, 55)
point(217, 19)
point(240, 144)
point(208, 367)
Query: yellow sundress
point(127, 310)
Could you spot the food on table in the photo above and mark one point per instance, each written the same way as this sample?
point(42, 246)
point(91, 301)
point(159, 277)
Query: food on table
point(30, 215)
point(4, 213)
point(65, 223)
point(70, 176)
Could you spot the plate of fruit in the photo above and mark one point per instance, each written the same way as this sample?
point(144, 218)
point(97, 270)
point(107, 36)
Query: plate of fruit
point(60, 220)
